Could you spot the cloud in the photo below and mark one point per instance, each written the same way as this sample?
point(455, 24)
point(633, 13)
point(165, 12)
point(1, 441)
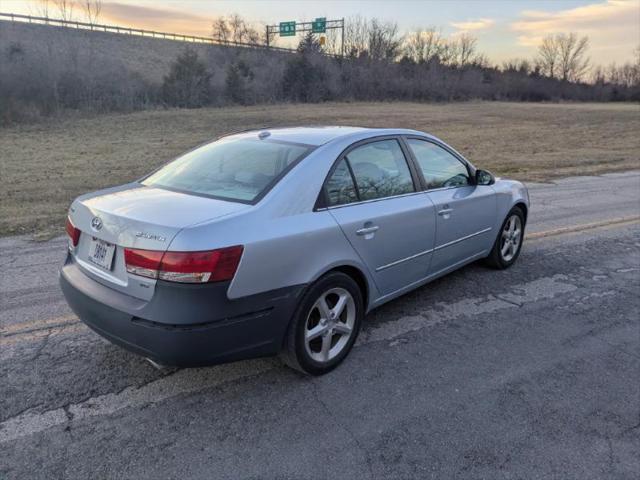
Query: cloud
point(609, 23)
point(157, 19)
point(473, 25)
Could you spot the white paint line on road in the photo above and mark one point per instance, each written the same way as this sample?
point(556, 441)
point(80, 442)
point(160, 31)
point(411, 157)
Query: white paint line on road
point(39, 334)
point(195, 380)
point(582, 227)
point(29, 327)
point(27, 424)
point(181, 382)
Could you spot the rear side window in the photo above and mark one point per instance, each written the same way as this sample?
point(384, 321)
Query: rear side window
point(231, 169)
point(439, 167)
point(339, 187)
point(380, 170)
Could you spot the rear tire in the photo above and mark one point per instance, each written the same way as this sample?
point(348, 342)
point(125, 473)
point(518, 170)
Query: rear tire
point(325, 325)
point(508, 244)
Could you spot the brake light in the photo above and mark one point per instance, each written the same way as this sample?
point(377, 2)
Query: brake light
point(145, 263)
point(185, 267)
point(73, 232)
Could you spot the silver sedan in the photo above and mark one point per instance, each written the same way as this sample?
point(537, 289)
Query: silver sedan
point(280, 241)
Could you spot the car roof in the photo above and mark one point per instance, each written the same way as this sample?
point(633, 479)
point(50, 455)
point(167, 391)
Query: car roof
point(319, 135)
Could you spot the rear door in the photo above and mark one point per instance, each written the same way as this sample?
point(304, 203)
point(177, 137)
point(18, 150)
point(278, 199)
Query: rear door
point(375, 199)
point(465, 212)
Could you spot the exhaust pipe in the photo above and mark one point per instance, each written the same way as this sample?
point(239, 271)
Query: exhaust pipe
point(156, 365)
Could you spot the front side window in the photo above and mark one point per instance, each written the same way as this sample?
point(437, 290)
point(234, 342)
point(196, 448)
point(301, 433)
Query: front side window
point(439, 167)
point(380, 170)
point(239, 169)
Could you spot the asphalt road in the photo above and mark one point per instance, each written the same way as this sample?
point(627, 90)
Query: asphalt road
point(533, 372)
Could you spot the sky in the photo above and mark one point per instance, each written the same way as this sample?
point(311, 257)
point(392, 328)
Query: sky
point(505, 29)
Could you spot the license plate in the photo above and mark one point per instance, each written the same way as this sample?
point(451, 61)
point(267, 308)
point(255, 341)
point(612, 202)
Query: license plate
point(101, 253)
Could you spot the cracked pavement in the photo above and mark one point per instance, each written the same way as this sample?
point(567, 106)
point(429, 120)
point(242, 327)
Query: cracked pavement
point(524, 373)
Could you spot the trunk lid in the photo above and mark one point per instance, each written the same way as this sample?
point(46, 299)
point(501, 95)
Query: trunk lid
point(137, 216)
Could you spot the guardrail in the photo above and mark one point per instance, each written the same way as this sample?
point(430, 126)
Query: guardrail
point(15, 17)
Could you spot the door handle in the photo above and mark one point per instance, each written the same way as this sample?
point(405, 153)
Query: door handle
point(445, 211)
point(367, 230)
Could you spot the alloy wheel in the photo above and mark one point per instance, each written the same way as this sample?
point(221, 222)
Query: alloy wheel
point(511, 238)
point(330, 324)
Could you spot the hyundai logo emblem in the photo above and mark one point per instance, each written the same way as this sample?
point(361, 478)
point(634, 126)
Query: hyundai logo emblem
point(96, 223)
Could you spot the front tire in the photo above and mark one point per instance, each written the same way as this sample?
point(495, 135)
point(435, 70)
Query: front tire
point(507, 246)
point(325, 325)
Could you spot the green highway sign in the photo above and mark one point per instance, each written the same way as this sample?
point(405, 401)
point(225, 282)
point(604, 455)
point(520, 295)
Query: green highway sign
point(319, 25)
point(287, 29)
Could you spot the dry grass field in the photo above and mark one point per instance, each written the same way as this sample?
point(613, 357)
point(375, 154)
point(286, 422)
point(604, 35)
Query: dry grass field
point(44, 166)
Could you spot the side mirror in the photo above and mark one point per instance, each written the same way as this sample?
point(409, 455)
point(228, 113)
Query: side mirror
point(484, 178)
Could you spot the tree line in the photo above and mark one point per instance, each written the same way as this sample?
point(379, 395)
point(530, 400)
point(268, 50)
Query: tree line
point(379, 64)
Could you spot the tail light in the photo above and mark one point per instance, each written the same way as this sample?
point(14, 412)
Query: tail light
point(73, 232)
point(185, 267)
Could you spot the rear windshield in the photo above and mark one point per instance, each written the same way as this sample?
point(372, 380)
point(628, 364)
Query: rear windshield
point(233, 169)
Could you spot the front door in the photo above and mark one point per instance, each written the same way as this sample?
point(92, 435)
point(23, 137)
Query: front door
point(465, 213)
point(391, 225)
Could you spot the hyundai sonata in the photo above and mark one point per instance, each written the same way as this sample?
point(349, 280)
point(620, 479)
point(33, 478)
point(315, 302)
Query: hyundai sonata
point(279, 241)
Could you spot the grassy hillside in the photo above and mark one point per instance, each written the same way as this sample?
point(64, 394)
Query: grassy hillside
point(148, 57)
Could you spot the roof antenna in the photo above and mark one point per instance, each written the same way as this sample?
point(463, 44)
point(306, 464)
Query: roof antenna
point(263, 135)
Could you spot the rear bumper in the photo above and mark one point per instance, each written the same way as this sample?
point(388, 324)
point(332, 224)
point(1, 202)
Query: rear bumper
point(183, 325)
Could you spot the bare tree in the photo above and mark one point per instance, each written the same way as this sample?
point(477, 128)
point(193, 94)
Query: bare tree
point(220, 31)
point(598, 75)
point(449, 53)
point(563, 56)
point(356, 36)
point(548, 56)
point(627, 75)
point(572, 55)
point(41, 8)
point(252, 36)
point(424, 46)
point(466, 49)
point(414, 46)
point(631, 75)
point(65, 9)
point(92, 9)
point(384, 41)
point(235, 29)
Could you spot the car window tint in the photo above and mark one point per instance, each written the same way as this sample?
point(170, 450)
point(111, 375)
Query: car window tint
point(380, 170)
point(234, 169)
point(340, 188)
point(439, 167)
